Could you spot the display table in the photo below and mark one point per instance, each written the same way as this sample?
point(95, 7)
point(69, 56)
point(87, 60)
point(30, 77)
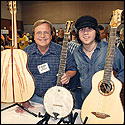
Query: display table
point(9, 116)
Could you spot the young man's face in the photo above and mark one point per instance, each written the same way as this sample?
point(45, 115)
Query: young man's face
point(87, 35)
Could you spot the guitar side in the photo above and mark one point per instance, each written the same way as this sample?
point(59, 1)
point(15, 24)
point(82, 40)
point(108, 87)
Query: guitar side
point(103, 109)
point(23, 87)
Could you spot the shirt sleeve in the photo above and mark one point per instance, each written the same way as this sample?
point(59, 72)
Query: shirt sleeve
point(119, 64)
point(70, 62)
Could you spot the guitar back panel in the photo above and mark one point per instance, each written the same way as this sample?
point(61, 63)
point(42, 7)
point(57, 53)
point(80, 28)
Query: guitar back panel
point(17, 84)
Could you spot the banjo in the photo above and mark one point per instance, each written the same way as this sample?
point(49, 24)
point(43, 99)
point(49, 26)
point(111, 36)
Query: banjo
point(58, 101)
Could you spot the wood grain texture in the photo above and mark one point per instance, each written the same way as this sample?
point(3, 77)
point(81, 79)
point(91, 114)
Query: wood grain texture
point(23, 80)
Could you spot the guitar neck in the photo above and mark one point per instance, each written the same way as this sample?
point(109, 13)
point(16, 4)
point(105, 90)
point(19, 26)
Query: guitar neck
point(14, 31)
point(63, 59)
point(12, 6)
point(110, 56)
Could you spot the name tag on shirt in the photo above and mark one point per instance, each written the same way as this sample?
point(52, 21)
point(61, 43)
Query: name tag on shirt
point(43, 68)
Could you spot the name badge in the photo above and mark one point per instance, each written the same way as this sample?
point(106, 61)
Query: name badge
point(43, 68)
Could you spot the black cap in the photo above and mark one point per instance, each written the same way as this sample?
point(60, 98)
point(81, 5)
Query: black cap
point(86, 21)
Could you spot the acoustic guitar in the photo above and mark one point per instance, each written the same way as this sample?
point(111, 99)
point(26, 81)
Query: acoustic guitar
point(103, 105)
point(59, 101)
point(17, 83)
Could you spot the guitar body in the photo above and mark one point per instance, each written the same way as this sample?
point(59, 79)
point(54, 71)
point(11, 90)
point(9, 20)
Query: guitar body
point(17, 83)
point(58, 102)
point(103, 108)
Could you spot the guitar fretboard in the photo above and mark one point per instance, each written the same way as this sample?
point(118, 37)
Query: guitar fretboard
point(110, 56)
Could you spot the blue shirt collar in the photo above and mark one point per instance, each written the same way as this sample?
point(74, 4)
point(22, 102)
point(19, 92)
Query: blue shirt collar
point(99, 45)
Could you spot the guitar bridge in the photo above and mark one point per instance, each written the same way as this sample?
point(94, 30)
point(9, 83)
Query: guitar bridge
point(100, 115)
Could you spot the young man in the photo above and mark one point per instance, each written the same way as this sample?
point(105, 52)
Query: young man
point(22, 40)
point(44, 60)
point(60, 36)
point(102, 32)
point(91, 54)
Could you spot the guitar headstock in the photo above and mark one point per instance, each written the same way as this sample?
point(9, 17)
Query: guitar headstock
point(116, 18)
point(68, 26)
point(12, 7)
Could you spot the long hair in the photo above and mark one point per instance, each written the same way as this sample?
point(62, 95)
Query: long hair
point(97, 38)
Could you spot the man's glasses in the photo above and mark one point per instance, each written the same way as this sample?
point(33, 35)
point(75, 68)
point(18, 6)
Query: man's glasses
point(39, 33)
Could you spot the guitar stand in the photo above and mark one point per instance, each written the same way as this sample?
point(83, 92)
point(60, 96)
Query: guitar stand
point(86, 118)
point(46, 117)
point(71, 119)
point(20, 107)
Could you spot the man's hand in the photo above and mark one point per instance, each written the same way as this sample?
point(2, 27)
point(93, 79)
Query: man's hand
point(65, 79)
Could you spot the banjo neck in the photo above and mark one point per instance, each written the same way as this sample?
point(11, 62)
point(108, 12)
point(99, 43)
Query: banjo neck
point(63, 59)
point(64, 52)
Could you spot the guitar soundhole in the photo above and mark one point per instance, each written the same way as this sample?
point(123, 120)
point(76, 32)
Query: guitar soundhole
point(106, 88)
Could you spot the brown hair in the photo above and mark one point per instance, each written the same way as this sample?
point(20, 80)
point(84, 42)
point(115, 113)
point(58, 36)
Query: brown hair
point(39, 22)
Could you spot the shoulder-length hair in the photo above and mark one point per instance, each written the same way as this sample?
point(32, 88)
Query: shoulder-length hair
point(97, 38)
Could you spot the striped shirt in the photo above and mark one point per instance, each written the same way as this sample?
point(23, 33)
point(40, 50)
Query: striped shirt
point(72, 45)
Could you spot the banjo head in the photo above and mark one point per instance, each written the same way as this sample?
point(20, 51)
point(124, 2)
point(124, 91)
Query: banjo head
point(58, 102)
